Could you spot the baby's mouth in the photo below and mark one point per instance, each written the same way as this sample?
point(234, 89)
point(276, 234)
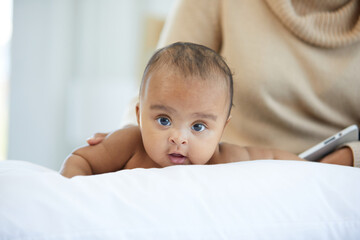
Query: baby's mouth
point(177, 158)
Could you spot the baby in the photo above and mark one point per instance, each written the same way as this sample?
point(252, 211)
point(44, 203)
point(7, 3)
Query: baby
point(184, 105)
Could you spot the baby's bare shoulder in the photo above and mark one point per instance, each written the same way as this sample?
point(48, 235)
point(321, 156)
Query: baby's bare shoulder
point(128, 137)
point(130, 132)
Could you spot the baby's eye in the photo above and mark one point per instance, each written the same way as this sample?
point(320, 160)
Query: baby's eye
point(164, 121)
point(198, 127)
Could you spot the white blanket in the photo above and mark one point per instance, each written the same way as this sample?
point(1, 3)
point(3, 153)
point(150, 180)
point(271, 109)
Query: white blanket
point(249, 200)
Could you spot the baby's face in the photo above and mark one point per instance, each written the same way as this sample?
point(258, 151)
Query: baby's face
point(182, 121)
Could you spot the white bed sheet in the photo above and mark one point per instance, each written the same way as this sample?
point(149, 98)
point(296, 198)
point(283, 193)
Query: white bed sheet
point(263, 199)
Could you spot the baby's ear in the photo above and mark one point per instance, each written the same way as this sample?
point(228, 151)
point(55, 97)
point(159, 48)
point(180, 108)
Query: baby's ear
point(137, 110)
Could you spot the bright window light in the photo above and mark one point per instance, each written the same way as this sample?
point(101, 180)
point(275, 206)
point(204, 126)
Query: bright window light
point(5, 37)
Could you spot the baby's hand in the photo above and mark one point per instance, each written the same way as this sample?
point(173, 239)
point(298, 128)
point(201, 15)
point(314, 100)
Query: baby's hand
point(96, 138)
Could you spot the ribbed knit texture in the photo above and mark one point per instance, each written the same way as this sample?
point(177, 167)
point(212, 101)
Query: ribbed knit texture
point(324, 23)
point(355, 148)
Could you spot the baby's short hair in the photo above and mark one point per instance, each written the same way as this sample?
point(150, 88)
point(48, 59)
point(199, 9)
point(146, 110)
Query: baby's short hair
point(190, 59)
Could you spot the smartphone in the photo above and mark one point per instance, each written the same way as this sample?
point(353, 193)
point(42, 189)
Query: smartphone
point(327, 146)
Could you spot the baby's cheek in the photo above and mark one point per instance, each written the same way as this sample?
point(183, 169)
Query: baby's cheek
point(205, 151)
point(150, 142)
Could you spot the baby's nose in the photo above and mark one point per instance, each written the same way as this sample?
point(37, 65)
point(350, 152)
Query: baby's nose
point(178, 138)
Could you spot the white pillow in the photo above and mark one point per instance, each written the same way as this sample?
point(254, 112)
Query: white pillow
point(263, 199)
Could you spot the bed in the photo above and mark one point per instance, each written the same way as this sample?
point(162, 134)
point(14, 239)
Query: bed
point(262, 199)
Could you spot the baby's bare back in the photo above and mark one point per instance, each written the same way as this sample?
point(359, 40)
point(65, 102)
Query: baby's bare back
point(228, 152)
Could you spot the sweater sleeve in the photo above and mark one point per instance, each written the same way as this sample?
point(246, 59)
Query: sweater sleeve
point(194, 21)
point(355, 148)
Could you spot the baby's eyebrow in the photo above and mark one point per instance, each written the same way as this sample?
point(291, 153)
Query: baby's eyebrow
point(172, 110)
point(162, 107)
point(205, 115)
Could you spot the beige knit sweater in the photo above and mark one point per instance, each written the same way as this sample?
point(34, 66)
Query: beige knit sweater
point(296, 65)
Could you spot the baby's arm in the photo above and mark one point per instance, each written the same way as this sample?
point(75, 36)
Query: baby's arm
point(108, 156)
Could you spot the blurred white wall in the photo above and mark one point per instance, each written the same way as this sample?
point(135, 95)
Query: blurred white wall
point(75, 65)
point(5, 36)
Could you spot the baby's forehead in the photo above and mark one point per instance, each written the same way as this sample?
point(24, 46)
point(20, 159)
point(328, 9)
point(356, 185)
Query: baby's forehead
point(192, 64)
point(172, 86)
point(174, 77)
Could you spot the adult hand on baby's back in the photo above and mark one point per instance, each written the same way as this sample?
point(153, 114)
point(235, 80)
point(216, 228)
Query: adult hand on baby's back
point(96, 138)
